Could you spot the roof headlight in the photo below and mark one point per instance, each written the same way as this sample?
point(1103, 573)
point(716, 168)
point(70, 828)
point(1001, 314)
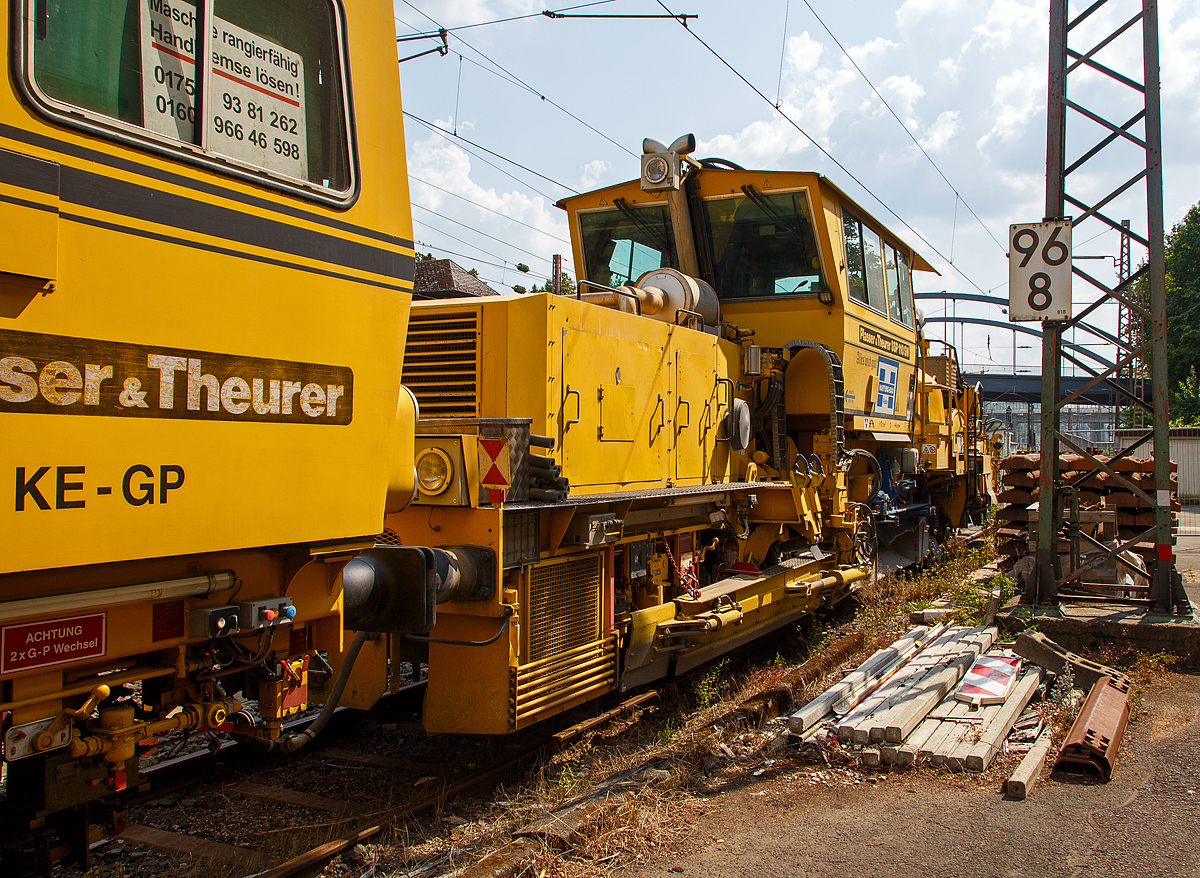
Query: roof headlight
point(657, 169)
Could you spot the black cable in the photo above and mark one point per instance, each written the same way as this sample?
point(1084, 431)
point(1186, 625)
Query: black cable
point(489, 152)
point(511, 176)
point(525, 85)
point(850, 58)
point(488, 209)
point(421, 638)
point(484, 234)
point(820, 148)
point(502, 267)
point(517, 17)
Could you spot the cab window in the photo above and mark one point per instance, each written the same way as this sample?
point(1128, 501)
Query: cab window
point(623, 243)
point(865, 276)
point(267, 94)
point(763, 245)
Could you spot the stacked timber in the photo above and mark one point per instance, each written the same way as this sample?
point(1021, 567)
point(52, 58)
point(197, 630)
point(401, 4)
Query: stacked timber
point(1111, 510)
point(900, 704)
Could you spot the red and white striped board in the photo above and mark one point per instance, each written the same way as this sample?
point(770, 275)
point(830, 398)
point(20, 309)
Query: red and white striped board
point(990, 679)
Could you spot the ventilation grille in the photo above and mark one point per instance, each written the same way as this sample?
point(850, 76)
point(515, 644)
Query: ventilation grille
point(564, 607)
point(388, 538)
point(441, 363)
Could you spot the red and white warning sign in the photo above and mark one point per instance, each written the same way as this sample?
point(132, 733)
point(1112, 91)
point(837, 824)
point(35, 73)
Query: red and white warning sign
point(990, 679)
point(41, 644)
point(494, 467)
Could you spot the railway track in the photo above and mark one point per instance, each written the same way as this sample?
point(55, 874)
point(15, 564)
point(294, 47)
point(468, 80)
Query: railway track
point(367, 777)
point(227, 813)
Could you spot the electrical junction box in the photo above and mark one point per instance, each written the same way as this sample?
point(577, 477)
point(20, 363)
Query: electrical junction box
point(213, 622)
point(593, 530)
point(265, 613)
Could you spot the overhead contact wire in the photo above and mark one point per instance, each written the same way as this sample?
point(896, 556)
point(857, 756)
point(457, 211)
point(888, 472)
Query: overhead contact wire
point(524, 84)
point(820, 148)
point(491, 153)
point(850, 58)
point(484, 234)
point(488, 209)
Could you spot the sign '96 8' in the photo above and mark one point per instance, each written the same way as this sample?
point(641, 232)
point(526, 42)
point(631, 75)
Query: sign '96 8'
point(1039, 271)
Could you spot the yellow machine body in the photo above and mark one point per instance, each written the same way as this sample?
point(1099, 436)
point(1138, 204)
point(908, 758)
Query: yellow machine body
point(597, 444)
point(205, 278)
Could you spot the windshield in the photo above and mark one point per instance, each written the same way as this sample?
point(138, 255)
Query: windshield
point(623, 243)
point(763, 245)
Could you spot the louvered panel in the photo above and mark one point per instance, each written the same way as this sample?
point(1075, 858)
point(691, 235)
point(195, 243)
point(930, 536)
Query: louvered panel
point(441, 363)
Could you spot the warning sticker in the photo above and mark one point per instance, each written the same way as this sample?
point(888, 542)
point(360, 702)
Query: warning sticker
point(494, 463)
point(169, 68)
point(41, 644)
point(256, 101)
point(254, 104)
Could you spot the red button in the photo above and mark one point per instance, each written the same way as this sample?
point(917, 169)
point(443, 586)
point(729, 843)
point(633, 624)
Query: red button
point(269, 614)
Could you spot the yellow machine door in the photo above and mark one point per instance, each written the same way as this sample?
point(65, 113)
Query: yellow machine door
point(691, 415)
point(614, 411)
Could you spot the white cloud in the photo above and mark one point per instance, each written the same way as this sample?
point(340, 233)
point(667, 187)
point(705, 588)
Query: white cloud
point(1018, 99)
point(593, 173)
point(871, 49)
point(950, 68)
point(941, 131)
point(912, 10)
point(760, 144)
point(1180, 53)
point(447, 167)
point(1007, 19)
point(804, 53)
point(903, 93)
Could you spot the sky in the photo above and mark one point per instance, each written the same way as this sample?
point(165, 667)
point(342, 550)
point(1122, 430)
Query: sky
point(930, 113)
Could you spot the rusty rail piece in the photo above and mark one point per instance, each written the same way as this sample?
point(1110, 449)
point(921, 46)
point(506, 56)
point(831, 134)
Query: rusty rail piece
point(1096, 734)
point(320, 855)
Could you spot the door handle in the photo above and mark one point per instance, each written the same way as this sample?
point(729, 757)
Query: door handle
point(689, 416)
point(578, 407)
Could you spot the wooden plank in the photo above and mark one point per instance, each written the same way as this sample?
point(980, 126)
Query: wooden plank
point(373, 760)
point(264, 793)
point(857, 680)
point(928, 690)
point(900, 687)
point(1030, 769)
point(981, 755)
point(855, 724)
point(186, 845)
point(906, 755)
point(907, 715)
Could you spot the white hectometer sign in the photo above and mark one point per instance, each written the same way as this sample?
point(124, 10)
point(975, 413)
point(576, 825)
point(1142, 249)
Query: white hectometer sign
point(253, 100)
point(1039, 271)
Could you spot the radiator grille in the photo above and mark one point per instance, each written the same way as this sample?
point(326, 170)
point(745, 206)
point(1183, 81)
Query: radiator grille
point(441, 363)
point(564, 606)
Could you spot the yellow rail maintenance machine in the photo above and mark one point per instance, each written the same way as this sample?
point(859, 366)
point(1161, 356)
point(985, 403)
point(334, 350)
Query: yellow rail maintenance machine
point(733, 419)
point(205, 274)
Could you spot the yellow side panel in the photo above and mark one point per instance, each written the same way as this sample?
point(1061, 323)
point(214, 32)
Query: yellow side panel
point(469, 686)
point(127, 393)
point(692, 419)
point(591, 360)
point(29, 218)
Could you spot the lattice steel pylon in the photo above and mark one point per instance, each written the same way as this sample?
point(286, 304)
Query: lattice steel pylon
point(1129, 330)
point(1100, 157)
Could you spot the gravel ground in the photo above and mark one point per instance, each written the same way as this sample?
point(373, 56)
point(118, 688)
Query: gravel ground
point(1144, 822)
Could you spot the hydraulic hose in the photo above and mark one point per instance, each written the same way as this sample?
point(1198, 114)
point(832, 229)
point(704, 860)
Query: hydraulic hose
point(293, 742)
point(873, 463)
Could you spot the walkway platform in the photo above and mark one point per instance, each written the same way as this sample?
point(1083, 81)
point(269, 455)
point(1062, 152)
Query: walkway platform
point(1080, 626)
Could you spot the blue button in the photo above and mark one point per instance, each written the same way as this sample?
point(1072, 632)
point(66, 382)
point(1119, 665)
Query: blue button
point(289, 612)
